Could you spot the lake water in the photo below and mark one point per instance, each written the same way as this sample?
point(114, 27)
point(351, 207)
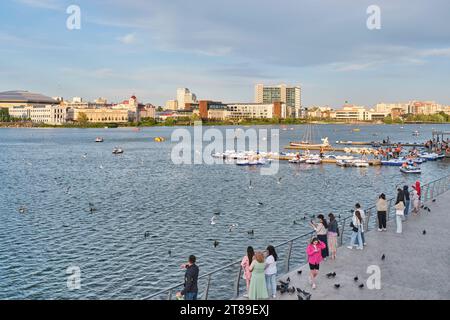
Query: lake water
point(56, 173)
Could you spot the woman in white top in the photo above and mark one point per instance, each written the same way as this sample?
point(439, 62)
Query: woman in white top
point(271, 271)
point(358, 228)
point(321, 228)
point(399, 209)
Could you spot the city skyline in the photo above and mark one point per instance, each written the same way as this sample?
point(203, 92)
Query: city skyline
point(150, 49)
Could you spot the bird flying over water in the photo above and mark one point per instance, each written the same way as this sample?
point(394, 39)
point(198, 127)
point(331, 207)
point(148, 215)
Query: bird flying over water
point(216, 243)
point(213, 220)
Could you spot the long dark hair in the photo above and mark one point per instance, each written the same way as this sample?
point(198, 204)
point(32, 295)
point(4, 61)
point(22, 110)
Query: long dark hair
point(272, 252)
point(323, 220)
point(400, 196)
point(358, 215)
point(250, 254)
point(332, 217)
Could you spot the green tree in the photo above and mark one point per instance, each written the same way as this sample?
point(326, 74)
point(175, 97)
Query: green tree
point(83, 118)
point(4, 115)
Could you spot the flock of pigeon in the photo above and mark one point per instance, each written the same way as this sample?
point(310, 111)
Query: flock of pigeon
point(284, 286)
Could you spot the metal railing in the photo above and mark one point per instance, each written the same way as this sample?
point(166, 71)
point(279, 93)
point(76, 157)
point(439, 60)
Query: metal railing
point(298, 257)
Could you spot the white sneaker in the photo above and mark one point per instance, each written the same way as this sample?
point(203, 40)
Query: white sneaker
point(274, 296)
point(314, 286)
point(384, 229)
point(360, 248)
point(380, 230)
point(350, 247)
point(365, 244)
point(245, 295)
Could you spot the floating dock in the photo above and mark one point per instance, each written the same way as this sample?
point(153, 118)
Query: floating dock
point(366, 143)
point(374, 162)
point(314, 148)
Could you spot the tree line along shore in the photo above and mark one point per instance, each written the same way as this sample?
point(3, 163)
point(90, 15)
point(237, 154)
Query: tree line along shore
point(189, 121)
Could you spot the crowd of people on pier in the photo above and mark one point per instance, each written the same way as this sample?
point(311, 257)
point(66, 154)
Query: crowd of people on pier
point(438, 145)
point(259, 268)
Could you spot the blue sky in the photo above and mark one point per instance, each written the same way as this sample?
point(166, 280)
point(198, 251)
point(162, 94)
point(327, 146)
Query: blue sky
point(220, 49)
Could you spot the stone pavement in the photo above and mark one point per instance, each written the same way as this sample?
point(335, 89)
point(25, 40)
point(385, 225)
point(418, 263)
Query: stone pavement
point(416, 266)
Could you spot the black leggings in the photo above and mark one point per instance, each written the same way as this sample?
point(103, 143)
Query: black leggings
point(381, 219)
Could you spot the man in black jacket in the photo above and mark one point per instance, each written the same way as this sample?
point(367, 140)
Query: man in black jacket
point(190, 290)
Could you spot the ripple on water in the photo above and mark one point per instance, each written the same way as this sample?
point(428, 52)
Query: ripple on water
point(57, 173)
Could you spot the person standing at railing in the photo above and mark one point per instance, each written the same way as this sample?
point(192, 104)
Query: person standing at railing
point(190, 290)
point(245, 264)
point(271, 271)
point(333, 233)
point(418, 189)
point(314, 252)
point(357, 229)
point(363, 217)
point(321, 231)
point(407, 201)
point(399, 209)
point(258, 289)
point(415, 201)
point(382, 206)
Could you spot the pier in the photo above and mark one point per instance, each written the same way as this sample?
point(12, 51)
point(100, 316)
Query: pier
point(391, 144)
point(416, 265)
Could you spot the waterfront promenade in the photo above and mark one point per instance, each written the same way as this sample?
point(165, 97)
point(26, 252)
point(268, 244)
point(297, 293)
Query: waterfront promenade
point(416, 266)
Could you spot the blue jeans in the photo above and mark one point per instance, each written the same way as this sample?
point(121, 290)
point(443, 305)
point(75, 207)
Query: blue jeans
point(356, 236)
point(190, 296)
point(362, 238)
point(271, 284)
point(406, 211)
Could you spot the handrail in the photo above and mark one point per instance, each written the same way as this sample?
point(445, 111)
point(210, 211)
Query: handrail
point(427, 194)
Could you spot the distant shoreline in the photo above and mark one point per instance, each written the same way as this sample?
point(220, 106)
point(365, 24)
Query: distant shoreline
point(27, 125)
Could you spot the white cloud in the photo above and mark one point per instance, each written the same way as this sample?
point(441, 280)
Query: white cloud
point(437, 52)
point(44, 4)
point(128, 38)
point(353, 66)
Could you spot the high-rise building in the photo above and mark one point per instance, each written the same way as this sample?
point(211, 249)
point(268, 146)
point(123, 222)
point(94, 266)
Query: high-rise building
point(290, 95)
point(185, 97)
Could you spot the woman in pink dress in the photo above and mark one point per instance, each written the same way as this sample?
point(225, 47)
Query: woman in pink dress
point(245, 264)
